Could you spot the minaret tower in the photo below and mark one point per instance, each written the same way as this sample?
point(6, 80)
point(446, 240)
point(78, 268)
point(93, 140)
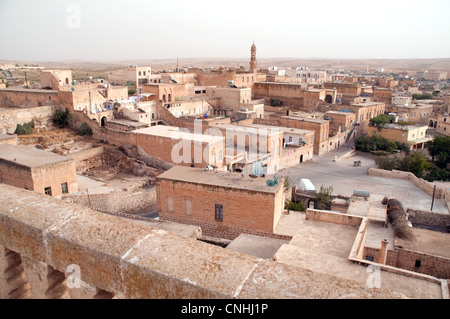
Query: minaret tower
point(253, 59)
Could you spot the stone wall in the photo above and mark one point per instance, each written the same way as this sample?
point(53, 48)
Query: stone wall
point(143, 201)
point(28, 98)
point(436, 266)
point(88, 159)
point(44, 239)
point(42, 117)
point(428, 218)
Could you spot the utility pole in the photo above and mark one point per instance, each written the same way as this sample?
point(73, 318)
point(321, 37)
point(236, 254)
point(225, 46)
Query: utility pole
point(432, 201)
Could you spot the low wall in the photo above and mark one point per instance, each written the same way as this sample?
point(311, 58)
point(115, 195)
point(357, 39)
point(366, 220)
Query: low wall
point(335, 218)
point(428, 218)
point(419, 182)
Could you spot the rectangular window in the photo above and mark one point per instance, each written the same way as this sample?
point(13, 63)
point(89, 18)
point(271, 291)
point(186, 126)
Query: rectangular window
point(188, 206)
point(64, 188)
point(219, 213)
point(170, 204)
point(417, 264)
point(48, 191)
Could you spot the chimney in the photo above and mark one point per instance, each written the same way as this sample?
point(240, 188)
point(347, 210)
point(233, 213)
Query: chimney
point(383, 252)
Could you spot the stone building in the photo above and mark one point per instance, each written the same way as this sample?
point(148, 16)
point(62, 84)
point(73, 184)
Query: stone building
point(364, 112)
point(321, 128)
point(41, 171)
point(441, 123)
point(224, 204)
point(138, 75)
point(53, 79)
point(413, 136)
point(178, 146)
point(237, 77)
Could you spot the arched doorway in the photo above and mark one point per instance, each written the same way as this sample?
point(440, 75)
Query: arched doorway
point(329, 98)
point(103, 121)
point(301, 158)
point(67, 80)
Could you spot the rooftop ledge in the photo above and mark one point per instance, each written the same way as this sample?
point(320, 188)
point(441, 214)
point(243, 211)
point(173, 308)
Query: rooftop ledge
point(120, 258)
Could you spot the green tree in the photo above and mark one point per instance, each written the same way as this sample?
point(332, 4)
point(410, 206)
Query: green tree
point(84, 129)
point(440, 150)
point(62, 118)
point(418, 164)
point(295, 206)
point(386, 162)
point(425, 96)
point(323, 197)
point(381, 120)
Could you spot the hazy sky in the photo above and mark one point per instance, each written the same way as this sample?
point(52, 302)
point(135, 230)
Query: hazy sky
point(49, 30)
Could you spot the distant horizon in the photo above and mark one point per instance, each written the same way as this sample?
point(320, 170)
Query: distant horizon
point(212, 58)
point(114, 30)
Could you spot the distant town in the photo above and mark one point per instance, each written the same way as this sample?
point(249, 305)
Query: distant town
point(187, 181)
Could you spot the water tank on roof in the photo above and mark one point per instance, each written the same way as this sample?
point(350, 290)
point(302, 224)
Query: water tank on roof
point(244, 109)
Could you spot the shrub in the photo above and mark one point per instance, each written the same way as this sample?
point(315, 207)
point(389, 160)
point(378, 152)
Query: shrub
point(62, 119)
point(84, 129)
point(298, 207)
point(24, 129)
point(276, 102)
point(323, 197)
point(425, 96)
point(386, 162)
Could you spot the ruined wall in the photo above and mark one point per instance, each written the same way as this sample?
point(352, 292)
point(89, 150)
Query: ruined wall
point(42, 117)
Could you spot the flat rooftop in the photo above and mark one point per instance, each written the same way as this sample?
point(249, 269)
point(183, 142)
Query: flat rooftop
point(19, 89)
point(30, 156)
point(428, 242)
point(364, 104)
point(219, 178)
point(305, 119)
point(263, 130)
point(176, 133)
point(127, 122)
point(282, 128)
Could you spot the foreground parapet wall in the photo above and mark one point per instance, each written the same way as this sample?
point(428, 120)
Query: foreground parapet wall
point(47, 246)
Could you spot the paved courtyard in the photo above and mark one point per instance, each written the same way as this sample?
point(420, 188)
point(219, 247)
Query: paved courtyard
point(344, 178)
